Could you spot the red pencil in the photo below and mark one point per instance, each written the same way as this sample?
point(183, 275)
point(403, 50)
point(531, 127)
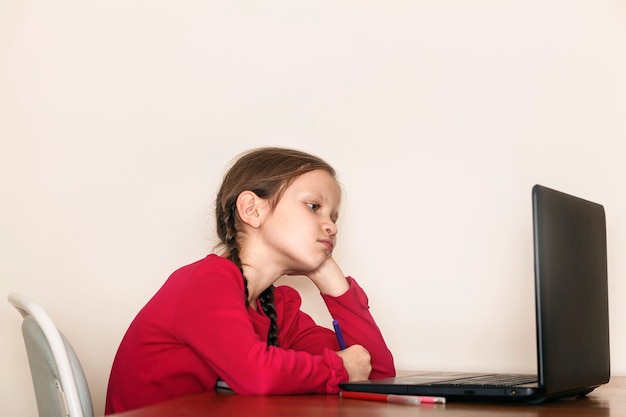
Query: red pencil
point(392, 398)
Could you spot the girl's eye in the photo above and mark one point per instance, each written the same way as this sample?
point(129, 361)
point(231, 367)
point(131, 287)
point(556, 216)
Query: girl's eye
point(313, 206)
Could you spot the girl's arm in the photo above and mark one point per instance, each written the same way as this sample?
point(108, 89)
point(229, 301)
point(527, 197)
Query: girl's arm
point(349, 305)
point(351, 310)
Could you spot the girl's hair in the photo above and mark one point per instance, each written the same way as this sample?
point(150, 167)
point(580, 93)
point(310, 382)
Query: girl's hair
point(267, 172)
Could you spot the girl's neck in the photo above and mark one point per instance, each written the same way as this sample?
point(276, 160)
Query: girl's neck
point(258, 281)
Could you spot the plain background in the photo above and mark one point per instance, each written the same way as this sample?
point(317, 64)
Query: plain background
point(118, 119)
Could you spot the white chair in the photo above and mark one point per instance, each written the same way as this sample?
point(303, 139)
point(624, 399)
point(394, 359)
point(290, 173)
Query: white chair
point(60, 385)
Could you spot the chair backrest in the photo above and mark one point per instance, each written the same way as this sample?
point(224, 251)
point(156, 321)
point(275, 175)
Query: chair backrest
point(61, 388)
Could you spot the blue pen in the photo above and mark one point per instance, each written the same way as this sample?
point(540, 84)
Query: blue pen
point(342, 343)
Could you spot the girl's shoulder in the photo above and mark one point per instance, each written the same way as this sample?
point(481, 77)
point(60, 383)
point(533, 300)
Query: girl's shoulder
point(287, 298)
point(211, 263)
point(212, 270)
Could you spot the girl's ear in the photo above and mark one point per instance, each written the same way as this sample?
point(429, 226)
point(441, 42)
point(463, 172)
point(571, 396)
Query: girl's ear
point(248, 208)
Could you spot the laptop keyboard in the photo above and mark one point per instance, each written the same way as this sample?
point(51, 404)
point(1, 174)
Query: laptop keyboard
point(499, 380)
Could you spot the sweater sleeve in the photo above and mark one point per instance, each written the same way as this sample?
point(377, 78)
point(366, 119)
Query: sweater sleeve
point(351, 310)
point(211, 318)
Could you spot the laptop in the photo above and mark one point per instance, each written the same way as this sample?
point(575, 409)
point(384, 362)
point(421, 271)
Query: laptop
point(572, 315)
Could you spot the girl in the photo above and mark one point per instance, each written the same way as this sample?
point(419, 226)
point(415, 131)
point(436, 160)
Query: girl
point(222, 318)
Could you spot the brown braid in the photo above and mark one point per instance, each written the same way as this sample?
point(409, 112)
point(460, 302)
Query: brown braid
point(267, 303)
point(267, 172)
point(230, 233)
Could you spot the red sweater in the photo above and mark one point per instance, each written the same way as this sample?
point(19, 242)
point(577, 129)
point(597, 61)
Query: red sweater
point(196, 330)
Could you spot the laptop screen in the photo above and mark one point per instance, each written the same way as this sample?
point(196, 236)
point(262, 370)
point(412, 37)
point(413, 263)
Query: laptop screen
point(571, 280)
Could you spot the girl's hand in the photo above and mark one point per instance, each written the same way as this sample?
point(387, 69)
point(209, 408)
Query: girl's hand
point(357, 361)
point(329, 278)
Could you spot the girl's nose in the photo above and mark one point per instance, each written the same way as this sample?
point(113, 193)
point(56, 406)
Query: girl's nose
point(331, 229)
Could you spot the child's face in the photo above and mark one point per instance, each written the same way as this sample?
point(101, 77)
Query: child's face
point(301, 229)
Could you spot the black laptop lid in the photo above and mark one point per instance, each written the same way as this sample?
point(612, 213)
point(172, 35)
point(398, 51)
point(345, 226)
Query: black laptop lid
point(571, 279)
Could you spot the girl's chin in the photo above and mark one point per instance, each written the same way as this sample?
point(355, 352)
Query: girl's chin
point(308, 268)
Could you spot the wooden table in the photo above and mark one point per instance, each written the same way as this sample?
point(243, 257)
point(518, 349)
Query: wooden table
point(608, 400)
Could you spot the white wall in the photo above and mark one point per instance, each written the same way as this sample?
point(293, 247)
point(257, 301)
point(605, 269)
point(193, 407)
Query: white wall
point(117, 119)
